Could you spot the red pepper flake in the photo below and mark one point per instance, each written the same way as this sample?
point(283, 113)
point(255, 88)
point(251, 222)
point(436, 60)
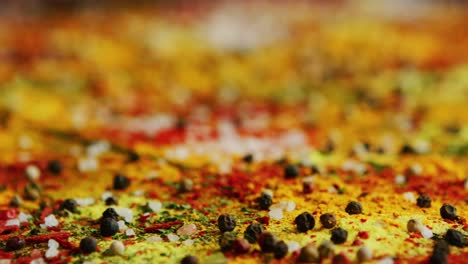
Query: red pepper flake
point(64, 243)
point(6, 255)
point(416, 235)
point(46, 237)
point(128, 242)
point(264, 220)
point(363, 234)
point(144, 217)
point(363, 220)
point(156, 228)
point(357, 242)
point(45, 212)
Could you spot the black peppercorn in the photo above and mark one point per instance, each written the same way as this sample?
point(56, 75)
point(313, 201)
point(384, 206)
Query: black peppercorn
point(339, 235)
point(407, 149)
point(109, 227)
point(353, 208)
point(121, 182)
point(110, 213)
point(424, 201)
point(15, 243)
point(328, 220)
point(189, 259)
point(55, 167)
point(253, 231)
point(280, 250)
point(226, 241)
point(448, 211)
point(112, 201)
point(133, 156)
point(454, 237)
point(70, 205)
point(304, 222)
point(267, 242)
point(265, 201)
point(308, 254)
point(248, 158)
point(439, 253)
point(226, 222)
point(88, 245)
point(291, 171)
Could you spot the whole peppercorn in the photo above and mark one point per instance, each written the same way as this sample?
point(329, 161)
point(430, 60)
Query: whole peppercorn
point(55, 167)
point(328, 220)
point(88, 245)
point(16, 201)
point(326, 249)
point(112, 201)
point(414, 225)
point(454, 237)
point(353, 208)
point(407, 149)
point(339, 235)
point(117, 248)
point(121, 182)
point(424, 201)
point(307, 185)
point(291, 171)
point(265, 201)
point(308, 254)
point(439, 253)
point(15, 243)
point(304, 222)
point(253, 231)
point(248, 158)
point(32, 192)
point(189, 259)
point(448, 211)
point(133, 156)
point(226, 222)
point(241, 246)
point(267, 242)
point(70, 205)
point(110, 213)
point(226, 241)
point(109, 227)
point(280, 250)
point(364, 254)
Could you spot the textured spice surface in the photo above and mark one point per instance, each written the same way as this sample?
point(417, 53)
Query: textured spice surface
point(159, 114)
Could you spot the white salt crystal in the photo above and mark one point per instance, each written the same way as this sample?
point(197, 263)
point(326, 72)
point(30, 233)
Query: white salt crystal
point(38, 261)
point(426, 232)
point(155, 206)
point(293, 246)
point(25, 142)
point(154, 239)
point(84, 201)
point(51, 253)
point(416, 169)
point(32, 172)
point(290, 206)
point(51, 221)
point(173, 237)
point(276, 214)
point(88, 164)
point(12, 222)
point(409, 196)
point(386, 260)
point(106, 195)
point(129, 232)
point(23, 218)
point(126, 213)
point(188, 242)
point(400, 179)
point(97, 148)
point(122, 225)
point(138, 193)
point(52, 243)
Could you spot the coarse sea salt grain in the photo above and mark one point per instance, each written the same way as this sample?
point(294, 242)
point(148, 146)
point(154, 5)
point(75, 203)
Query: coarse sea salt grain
point(276, 214)
point(129, 232)
point(409, 196)
point(400, 179)
point(32, 172)
point(126, 213)
point(51, 253)
point(122, 225)
point(38, 261)
point(173, 237)
point(138, 193)
point(88, 164)
point(188, 242)
point(154, 239)
point(50, 221)
point(12, 222)
point(293, 246)
point(155, 206)
point(106, 195)
point(52, 243)
point(426, 232)
point(23, 218)
point(386, 260)
point(84, 201)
